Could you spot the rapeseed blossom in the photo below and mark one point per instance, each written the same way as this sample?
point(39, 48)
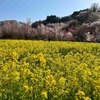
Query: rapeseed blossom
point(26, 88)
point(62, 81)
point(44, 94)
point(39, 70)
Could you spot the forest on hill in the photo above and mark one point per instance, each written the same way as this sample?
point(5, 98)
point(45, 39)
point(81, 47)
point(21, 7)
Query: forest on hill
point(83, 25)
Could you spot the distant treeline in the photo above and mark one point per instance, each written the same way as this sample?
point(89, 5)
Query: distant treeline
point(54, 19)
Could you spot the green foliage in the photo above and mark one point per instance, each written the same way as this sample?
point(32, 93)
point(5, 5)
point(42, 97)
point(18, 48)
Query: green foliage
point(83, 17)
point(75, 13)
point(52, 19)
point(35, 24)
point(94, 16)
point(65, 19)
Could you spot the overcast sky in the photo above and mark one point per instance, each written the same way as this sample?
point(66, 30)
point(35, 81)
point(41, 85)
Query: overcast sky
point(21, 10)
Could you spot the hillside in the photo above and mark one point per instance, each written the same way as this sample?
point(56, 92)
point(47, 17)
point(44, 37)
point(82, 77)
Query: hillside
point(83, 25)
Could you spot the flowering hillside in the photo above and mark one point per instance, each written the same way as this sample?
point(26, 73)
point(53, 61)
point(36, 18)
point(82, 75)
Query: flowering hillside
point(81, 26)
point(40, 70)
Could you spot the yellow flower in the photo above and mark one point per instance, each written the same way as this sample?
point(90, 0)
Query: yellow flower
point(15, 75)
point(50, 80)
point(87, 98)
point(17, 78)
point(80, 95)
point(62, 80)
point(0, 94)
point(4, 68)
point(30, 88)
point(44, 94)
point(26, 88)
point(13, 54)
point(7, 78)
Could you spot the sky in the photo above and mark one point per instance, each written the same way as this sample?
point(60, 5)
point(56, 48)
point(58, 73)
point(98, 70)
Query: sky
point(36, 10)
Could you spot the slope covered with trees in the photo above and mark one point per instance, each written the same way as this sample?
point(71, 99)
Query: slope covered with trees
point(83, 25)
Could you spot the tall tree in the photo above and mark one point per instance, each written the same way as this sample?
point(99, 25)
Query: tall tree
point(94, 7)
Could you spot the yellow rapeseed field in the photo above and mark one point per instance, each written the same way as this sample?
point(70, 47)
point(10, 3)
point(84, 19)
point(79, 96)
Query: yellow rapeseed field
point(41, 70)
